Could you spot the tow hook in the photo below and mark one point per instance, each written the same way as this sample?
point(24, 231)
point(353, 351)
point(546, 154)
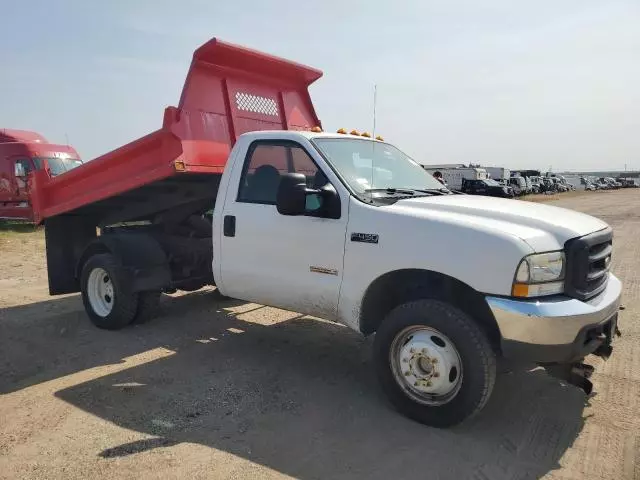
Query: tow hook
point(576, 374)
point(604, 351)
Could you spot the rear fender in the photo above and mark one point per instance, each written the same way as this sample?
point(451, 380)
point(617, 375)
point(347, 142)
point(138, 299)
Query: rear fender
point(144, 263)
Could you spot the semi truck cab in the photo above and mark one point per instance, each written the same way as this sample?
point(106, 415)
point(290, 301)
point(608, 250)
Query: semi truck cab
point(23, 152)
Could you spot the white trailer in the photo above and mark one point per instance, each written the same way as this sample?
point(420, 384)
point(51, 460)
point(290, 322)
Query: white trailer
point(498, 173)
point(453, 176)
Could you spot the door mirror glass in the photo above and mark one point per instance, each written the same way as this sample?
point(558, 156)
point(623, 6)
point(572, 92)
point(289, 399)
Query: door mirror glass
point(292, 194)
point(19, 170)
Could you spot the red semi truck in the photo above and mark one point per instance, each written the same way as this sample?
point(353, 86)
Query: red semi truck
point(241, 189)
point(21, 153)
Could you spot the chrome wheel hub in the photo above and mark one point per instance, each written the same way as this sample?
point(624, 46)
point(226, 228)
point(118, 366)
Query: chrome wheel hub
point(100, 292)
point(426, 364)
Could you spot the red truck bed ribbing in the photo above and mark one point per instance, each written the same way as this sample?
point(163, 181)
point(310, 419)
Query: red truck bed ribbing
point(229, 90)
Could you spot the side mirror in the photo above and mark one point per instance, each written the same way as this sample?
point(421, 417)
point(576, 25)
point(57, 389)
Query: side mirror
point(295, 198)
point(292, 194)
point(19, 171)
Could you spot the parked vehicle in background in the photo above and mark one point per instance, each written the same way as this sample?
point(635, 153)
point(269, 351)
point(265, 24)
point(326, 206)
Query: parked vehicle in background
point(609, 182)
point(559, 186)
point(560, 182)
point(488, 187)
point(613, 182)
point(627, 182)
point(548, 185)
point(590, 186)
point(241, 189)
point(519, 186)
point(536, 183)
point(529, 184)
point(499, 174)
point(453, 177)
point(505, 183)
point(21, 153)
point(602, 185)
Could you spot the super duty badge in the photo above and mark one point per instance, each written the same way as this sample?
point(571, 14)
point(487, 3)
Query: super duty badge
point(364, 237)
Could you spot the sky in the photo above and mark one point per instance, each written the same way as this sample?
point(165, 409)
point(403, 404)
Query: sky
point(538, 84)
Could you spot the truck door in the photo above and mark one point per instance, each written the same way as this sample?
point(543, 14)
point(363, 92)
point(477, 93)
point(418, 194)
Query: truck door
point(291, 262)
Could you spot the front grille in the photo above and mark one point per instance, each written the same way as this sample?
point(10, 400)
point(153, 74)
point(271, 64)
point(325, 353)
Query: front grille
point(588, 263)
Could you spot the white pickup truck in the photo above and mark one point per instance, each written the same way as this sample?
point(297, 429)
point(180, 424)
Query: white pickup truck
point(405, 259)
point(347, 228)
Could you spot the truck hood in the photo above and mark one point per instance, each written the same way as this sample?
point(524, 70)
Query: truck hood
point(543, 227)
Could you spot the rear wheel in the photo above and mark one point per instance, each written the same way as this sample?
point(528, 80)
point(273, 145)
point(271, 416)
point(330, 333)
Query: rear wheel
point(107, 301)
point(434, 363)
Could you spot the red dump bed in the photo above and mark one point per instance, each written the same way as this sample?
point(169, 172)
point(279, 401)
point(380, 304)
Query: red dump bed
point(229, 90)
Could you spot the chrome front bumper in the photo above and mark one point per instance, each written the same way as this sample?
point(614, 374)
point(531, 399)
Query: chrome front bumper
point(552, 327)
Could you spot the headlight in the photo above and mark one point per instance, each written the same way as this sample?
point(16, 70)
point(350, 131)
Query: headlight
point(539, 274)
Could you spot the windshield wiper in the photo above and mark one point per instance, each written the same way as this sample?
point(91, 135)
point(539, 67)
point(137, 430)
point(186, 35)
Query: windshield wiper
point(392, 191)
point(435, 191)
point(409, 191)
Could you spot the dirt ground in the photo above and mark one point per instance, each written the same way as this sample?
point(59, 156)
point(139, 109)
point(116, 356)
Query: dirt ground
point(222, 389)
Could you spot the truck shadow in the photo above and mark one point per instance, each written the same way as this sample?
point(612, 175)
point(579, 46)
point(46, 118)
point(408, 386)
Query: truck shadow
point(299, 396)
point(47, 340)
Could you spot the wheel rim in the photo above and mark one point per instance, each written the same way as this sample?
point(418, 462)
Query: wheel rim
point(426, 365)
point(100, 292)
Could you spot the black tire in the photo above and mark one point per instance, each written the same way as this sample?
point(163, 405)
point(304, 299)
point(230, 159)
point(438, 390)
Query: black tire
point(125, 303)
point(476, 355)
point(148, 306)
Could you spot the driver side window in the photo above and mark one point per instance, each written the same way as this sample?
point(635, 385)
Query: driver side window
point(27, 167)
point(265, 164)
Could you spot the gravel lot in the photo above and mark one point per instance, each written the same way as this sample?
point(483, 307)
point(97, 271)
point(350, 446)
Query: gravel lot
point(223, 389)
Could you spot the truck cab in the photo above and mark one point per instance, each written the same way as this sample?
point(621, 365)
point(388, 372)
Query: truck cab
point(22, 153)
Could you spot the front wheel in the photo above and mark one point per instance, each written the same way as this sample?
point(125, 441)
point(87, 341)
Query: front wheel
point(434, 363)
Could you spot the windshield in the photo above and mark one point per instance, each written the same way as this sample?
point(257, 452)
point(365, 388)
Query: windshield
point(367, 165)
point(57, 165)
point(491, 183)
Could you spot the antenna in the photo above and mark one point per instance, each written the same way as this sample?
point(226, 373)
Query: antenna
point(375, 100)
point(66, 137)
point(373, 136)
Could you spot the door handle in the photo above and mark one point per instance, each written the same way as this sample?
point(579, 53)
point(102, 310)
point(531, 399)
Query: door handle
point(229, 226)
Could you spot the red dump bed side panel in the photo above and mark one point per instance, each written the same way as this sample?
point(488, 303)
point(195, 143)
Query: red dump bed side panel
point(229, 90)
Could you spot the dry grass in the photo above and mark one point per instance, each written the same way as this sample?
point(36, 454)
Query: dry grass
point(541, 198)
